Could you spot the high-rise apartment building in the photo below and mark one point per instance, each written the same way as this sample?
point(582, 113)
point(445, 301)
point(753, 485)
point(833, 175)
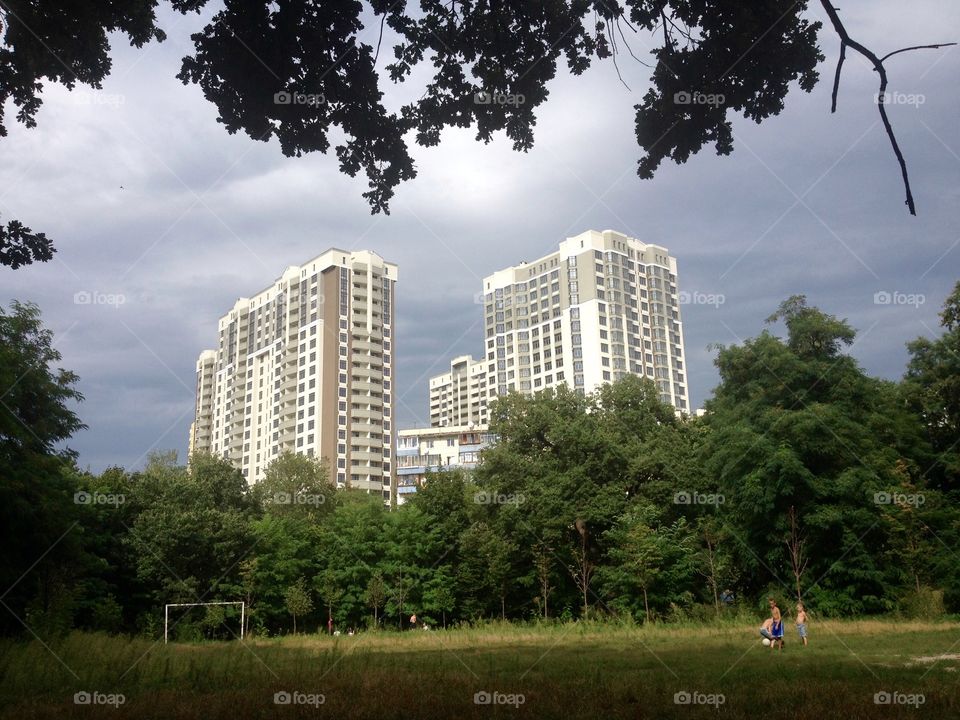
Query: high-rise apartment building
point(602, 306)
point(306, 365)
point(459, 397)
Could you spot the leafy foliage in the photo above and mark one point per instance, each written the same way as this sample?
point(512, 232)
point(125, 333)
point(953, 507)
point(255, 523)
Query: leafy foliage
point(606, 503)
point(300, 70)
point(19, 245)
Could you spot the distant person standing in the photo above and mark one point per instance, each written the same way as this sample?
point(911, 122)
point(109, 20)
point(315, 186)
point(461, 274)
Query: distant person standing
point(776, 627)
point(330, 624)
point(802, 623)
point(413, 621)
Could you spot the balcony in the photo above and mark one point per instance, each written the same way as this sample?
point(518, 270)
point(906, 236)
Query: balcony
point(364, 427)
point(358, 414)
point(357, 456)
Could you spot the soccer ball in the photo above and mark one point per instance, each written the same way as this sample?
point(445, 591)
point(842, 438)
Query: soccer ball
point(766, 642)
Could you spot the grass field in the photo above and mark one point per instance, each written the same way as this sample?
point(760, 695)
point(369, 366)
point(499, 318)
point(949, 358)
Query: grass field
point(570, 671)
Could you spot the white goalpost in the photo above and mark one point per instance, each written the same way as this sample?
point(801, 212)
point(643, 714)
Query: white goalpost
point(166, 614)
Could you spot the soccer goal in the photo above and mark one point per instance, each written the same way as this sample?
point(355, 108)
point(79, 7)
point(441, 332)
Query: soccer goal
point(166, 614)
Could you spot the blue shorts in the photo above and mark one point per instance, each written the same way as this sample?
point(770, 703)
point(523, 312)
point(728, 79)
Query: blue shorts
point(766, 633)
point(802, 629)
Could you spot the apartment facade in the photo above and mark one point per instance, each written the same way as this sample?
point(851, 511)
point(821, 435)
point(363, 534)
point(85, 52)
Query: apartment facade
point(459, 397)
point(424, 450)
point(603, 306)
point(306, 365)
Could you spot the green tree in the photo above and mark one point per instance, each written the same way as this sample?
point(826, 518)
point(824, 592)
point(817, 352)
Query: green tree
point(109, 595)
point(284, 549)
point(567, 466)
point(193, 531)
point(474, 585)
point(543, 566)
point(445, 498)
point(932, 388)
point(439, 596)
point(297, 600)
point(651, 556)
point(376, 595)
point(411, 556)
point(715, 561)
point(798, 424)
point(352, 545)
point(330, 591)
point(37, 505)
point(487, 570)
point(296, 484)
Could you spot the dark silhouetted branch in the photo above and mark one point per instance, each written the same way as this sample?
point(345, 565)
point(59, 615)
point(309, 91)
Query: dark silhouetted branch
point(916, 47)
point(877, 62)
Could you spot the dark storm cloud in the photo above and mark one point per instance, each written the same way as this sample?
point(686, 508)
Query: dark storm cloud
point(809, 202)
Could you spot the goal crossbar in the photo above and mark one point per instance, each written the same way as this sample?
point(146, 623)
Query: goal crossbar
point(166, 613)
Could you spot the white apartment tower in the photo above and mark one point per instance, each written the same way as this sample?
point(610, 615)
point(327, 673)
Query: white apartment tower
point(306, 365)
point(602, 306)
point(459, 397)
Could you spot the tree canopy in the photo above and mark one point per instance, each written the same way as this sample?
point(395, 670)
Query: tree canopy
point(806, 479)
point(300, 70)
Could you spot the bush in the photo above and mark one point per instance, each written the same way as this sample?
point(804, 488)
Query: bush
point(106, 615)
point(923, 604)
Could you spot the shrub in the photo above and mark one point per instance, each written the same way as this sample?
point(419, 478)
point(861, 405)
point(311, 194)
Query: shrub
point(923, 604)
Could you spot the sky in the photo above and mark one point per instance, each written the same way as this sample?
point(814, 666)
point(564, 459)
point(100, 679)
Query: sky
point(162, 219)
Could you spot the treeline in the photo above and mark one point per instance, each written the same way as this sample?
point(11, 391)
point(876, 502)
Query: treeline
point(805, 478)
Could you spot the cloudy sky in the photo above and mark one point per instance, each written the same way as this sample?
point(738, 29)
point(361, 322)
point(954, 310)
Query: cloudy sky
point(148, 198)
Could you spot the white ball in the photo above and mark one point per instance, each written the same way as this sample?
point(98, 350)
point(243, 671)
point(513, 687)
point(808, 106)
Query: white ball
point(766, 642)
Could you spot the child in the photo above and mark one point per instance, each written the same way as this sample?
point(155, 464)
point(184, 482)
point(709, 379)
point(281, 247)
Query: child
point(765, 629)
point(802, 623)
point(776, 628)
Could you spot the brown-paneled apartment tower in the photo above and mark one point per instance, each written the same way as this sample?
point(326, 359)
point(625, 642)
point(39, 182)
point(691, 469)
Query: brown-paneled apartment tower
point(306, 365)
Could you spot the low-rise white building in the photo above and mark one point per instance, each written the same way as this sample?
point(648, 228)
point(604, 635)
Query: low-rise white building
point(423, 450)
